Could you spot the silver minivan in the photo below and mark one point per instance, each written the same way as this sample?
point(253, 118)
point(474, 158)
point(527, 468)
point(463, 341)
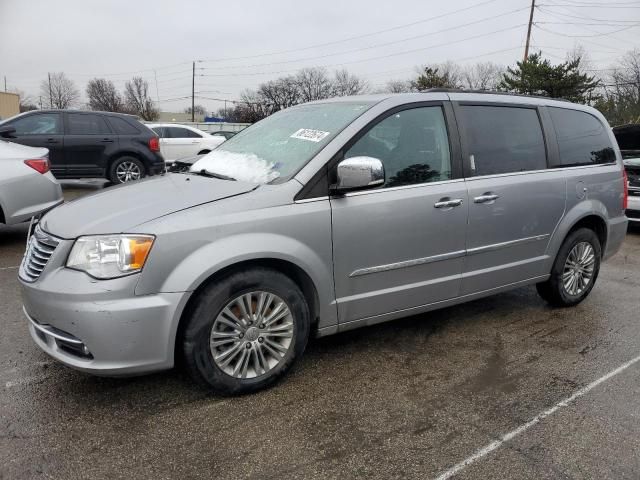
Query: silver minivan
point(321, 218)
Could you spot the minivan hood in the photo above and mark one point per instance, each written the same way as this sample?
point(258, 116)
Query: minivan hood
point(118, 209)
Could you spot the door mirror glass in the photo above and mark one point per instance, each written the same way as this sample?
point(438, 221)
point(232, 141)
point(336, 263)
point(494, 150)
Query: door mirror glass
point(7, 132)
point(359, 172)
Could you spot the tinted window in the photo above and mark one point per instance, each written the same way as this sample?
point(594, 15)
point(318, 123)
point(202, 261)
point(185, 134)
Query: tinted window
point(38, 124)
point(503, 139)
point(122, 127)
point(158, 131)
point(177, 132)
point(86, 124)
point(582, 139)
point(412, 144)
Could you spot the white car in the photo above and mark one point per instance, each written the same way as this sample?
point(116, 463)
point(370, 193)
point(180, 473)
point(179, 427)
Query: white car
point(177, 141)
point(27, 187)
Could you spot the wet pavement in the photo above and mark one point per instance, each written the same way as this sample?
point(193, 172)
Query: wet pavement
point(406, 399)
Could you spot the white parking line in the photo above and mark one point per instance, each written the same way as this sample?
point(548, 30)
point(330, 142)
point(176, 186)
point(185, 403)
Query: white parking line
point(9, 268)
point(487, 449)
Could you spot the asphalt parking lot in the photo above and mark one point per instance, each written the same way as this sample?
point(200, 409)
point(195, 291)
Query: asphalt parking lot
point(427, 396)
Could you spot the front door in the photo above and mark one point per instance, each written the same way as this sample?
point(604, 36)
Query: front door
point(42, 130)
point(515, 202)
point(180, 142)
point(87, 138)
point(402, 245)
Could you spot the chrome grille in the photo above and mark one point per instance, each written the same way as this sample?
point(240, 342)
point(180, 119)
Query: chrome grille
point(40, 247)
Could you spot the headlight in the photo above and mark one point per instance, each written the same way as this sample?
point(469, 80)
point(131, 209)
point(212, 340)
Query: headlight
point(109, 256)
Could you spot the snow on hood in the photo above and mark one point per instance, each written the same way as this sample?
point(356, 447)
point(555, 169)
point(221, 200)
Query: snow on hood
point(245, 167)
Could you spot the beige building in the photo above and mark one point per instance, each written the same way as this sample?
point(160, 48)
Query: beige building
point(178, 117)
point(9, 105)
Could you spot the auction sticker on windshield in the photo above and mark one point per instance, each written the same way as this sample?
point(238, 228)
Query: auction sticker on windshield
point(309, 134)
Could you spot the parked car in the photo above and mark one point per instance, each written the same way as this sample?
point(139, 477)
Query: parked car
point(628, 137)
point(322, 218)
point(90, 144)
point(27, 187)
point(178, 141)
point(222, 133)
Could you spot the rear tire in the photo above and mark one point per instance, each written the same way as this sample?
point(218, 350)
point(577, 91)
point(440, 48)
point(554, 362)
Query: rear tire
point(237, 339)
point(574, 271)
point(126, 169)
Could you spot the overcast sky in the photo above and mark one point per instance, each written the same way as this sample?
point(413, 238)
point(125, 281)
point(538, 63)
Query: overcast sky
point(238, 44)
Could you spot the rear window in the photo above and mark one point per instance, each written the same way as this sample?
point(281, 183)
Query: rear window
point(86, 124)
point(582, 138)
point(503, 139)
point(122, 127)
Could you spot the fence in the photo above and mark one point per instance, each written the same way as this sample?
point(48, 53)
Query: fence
point(213, 126)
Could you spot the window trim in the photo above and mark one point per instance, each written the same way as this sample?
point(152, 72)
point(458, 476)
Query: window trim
point(67, 124)
point(318, 186)
point(36, 114)
point(464, 136)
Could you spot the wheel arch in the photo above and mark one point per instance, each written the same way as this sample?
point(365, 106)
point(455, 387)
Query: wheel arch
point(589, 214)
point(126, 153)
point(286, 267)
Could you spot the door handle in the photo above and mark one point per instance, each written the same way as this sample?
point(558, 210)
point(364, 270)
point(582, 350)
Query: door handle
point(486, 198)
point(448, 203)
point(52, 140)
point(106, 140)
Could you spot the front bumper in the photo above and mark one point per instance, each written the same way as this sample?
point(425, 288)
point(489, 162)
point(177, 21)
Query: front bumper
point(102, 327)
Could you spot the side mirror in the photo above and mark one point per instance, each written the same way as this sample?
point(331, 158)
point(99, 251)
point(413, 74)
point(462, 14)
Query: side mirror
point(7, 132)
point(359, 172)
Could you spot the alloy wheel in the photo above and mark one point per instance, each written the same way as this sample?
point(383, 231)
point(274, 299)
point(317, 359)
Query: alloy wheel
point(578, 269)
point(128, 171)
point(252, 334)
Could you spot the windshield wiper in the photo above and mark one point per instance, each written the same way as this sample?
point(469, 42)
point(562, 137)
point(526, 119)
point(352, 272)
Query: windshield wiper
point(206, 173)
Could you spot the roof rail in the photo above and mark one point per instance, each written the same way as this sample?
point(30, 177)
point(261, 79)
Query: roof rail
point(491, 92)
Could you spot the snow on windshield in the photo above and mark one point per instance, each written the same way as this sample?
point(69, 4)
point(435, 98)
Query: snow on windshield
point(245, 167)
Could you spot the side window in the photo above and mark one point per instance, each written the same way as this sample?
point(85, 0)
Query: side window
point(160, 131)
point(122, 127)
point(503, 139)
point(38, 124)
point(177, 132)
point(582, 139)
point(412, 144)
point(86, 124)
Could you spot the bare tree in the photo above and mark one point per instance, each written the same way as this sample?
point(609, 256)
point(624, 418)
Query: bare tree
point(620, 101)
point(59, 91)
point(398, 86)
point(138, 101)
point(27, 102)
point(345, 84)
point(312, 84)
point(102, 95)
point(482, 76)
point(197, 109)
point(280, 93)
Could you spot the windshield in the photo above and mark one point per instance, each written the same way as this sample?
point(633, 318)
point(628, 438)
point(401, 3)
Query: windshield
point(275, 148)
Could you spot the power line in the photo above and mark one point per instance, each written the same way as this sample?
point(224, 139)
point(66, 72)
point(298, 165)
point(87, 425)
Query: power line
point(379, 57)
point(584, 36)
point(355, 37)
point(370, 47)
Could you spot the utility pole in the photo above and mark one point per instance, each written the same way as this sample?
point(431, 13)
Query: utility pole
point(50, 93)
point(40, 102)
point(225, 110)
point(526, 47)
point(193, 93)
point(5, 83)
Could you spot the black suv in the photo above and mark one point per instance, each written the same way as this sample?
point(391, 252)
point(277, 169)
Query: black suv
point(89, 144)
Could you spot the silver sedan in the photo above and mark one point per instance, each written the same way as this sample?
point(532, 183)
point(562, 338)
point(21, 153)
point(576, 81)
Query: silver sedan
point(27, 187)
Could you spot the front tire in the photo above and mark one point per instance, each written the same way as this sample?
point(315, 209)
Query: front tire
point(126, 169)
point(245, 331)
point(574, 271)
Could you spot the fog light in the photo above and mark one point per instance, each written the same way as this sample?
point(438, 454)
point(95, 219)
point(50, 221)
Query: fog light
point(85, 350)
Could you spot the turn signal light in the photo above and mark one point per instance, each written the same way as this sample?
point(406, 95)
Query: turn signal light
point(40, 165)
